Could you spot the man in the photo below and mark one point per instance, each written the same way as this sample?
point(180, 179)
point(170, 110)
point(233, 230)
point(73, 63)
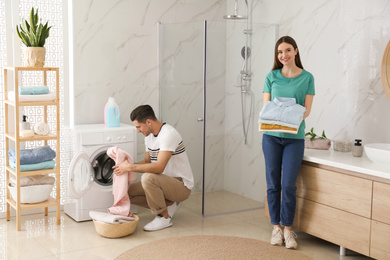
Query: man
point(167, 178)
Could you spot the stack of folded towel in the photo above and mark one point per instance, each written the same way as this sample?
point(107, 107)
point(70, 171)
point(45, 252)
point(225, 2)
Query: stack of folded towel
point(281, 115)
point(33, 93)
point(33, 159)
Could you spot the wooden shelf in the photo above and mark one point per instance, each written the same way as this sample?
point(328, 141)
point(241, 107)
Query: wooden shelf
point(32, 138)
point(14, 68)
point(51, 202)
point(32, 103)
point(12, 136)
point(31, 173)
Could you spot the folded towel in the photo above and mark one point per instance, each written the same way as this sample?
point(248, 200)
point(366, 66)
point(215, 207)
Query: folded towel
point(109, 218)
point(275, 122)
point(275, 126)
point(34, 166)
point(281, 130)
point(41, 128)
point(33, 90)
point(35, 155)
point(26, 133)
point(32, 180)
point(32, 98)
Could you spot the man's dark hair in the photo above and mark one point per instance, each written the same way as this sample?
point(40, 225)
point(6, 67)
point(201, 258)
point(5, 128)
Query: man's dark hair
point(142, 113)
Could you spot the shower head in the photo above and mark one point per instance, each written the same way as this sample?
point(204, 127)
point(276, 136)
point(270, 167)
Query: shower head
point(235, 15)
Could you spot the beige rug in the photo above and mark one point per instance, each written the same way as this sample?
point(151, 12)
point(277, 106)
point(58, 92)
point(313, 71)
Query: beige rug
point(210, 247)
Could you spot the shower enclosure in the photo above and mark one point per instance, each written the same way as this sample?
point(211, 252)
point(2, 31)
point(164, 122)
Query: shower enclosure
point(200, 66)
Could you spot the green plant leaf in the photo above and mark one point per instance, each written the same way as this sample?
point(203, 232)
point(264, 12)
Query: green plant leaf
point(33, 21)
point(323, 134)
point(39, 33)
point(22, 36)
point(33, 38)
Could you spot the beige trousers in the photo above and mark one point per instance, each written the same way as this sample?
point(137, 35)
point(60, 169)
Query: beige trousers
point(153, 189)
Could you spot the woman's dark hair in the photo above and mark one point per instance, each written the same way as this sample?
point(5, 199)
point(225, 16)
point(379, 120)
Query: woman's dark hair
point(142, 113)
point(289, 40)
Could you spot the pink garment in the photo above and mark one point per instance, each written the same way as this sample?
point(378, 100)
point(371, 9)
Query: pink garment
point(121, 183)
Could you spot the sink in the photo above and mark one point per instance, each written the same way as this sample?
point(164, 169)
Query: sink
point(378, 153)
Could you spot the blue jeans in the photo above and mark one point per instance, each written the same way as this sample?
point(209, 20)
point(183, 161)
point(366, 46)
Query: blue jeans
point(283, 158)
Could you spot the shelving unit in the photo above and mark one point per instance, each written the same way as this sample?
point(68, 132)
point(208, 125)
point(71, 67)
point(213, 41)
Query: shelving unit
point(17, 139)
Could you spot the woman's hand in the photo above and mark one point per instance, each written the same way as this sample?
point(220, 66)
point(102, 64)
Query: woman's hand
point(122, 168)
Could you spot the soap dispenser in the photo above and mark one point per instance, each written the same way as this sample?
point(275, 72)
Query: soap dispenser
point(357, 149)
point(24, 125)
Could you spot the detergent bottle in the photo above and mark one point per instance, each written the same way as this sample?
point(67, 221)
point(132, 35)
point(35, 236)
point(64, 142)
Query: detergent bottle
point(111, 113)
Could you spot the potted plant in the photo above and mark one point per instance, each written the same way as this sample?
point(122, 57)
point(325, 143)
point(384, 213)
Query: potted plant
point(313, 141)
point(34, 36)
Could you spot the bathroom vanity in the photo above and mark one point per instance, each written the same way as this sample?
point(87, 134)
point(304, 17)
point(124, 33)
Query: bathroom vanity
point(345, 200)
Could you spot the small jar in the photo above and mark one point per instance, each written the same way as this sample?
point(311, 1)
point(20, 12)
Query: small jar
point(342, 146)
point(357, 149)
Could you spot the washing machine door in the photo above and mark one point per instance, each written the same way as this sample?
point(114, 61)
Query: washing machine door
point(80, 175)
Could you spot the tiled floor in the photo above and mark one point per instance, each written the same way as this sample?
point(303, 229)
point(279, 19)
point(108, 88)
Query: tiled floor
point(41, 238)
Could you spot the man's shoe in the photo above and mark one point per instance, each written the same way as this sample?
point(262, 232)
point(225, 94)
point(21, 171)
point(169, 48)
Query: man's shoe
point(289, 239)
point(173, 208)
point(277, 237)
point(158, 223)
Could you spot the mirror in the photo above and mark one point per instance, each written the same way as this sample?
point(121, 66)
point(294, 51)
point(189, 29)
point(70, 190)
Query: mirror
point(385, 71)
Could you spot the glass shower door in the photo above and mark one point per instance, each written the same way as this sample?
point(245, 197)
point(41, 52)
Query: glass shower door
point(200, 64)
point(181, 59)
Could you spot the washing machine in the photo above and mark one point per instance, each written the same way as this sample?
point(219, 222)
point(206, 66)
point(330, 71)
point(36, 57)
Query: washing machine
point(90, 173)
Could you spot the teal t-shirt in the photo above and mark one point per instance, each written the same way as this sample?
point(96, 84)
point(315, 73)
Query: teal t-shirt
point(298, 87)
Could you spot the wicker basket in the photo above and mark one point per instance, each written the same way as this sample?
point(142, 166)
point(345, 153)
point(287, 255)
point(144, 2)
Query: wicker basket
point(116, 230)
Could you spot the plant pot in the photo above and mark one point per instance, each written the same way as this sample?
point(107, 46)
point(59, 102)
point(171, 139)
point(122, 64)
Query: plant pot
point(317, 143)
point(35, 56)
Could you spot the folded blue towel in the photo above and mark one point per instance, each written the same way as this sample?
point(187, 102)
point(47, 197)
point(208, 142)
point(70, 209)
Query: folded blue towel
point(33, 90)
point(36, 155)
point(34, 166)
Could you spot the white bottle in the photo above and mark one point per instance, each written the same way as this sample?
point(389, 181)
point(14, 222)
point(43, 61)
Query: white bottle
point(357, 150)
point(24, 125)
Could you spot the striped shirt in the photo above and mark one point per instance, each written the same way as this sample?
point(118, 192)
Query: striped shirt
point(168, 139)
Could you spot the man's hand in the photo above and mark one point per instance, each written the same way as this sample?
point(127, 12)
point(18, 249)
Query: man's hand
point(122, 168)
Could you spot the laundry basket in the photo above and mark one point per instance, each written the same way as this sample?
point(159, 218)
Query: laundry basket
point(116, 230)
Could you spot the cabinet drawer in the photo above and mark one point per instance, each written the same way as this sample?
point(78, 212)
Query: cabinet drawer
point(381, 202)
point(380, 237)
point(334, 225)
point(337, 190)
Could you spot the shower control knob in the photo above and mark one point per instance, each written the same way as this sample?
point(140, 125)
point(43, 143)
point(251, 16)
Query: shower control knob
point(200, 119)
point(119, 138)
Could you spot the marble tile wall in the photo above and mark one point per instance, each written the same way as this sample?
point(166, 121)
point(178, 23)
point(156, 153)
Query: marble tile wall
point(341, 43)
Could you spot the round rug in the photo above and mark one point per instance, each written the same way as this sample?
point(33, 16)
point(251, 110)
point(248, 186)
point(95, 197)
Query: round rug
point(210, 247)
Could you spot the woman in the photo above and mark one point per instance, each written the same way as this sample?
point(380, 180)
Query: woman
point(283, 152)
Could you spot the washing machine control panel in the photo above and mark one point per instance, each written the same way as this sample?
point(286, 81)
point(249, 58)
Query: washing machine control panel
point(107, 137)
point(117, 137)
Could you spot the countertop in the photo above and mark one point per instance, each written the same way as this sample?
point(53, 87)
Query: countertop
point(346, 161)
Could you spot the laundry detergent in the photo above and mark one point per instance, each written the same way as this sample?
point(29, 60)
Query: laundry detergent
point(111, 113)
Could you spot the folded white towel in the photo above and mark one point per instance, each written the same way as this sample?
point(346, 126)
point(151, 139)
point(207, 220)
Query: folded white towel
point(31, 98)
point(41, 128)
point(32, 180)
point(109, 218)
